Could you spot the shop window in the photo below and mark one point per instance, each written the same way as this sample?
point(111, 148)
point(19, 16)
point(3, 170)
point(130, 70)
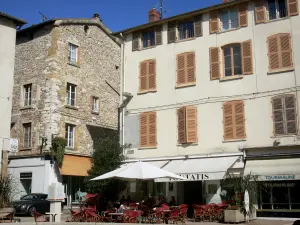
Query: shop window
point(25, 183)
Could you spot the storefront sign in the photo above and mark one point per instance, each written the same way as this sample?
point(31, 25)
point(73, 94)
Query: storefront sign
point(280, 177)
point(25, 175)
point(195, 177)
point(280, 184)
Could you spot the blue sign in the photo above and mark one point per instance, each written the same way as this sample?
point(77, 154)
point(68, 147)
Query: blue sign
point(281, 177)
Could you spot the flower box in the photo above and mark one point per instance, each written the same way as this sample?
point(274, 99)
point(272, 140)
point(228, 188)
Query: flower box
point(233, 216)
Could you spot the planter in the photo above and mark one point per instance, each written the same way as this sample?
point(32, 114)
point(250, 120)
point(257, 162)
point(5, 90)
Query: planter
point(7, 214)
point(233, 216)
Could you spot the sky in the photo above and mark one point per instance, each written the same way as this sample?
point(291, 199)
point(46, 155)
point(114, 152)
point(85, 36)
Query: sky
point(116, 14)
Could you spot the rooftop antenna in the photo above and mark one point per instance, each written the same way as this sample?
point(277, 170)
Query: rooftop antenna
point(161, 9)
point(44, 18)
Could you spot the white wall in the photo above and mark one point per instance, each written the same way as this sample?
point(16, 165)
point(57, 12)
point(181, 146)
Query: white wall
point(7, 59)
point(258, 108)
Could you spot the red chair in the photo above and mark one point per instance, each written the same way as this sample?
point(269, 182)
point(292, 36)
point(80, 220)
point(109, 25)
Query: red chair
point(133, 206)
point(174, 216)
point(183, 213)
point(131, 216)
point(76, 216)
point(39, 217)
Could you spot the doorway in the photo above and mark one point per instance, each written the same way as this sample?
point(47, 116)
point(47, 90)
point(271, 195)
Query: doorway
point(192, 194)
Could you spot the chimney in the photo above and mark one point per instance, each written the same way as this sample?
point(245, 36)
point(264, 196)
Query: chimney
point(225, 1)
point(154, 15)
point(96, 16)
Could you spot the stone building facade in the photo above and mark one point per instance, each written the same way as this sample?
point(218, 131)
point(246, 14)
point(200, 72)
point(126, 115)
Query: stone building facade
point(66, 77)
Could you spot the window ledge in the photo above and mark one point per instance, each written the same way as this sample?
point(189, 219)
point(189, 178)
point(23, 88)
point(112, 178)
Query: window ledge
point(69, 149)
point(233, 140)
point(26, 107)
point(26, 149)
point(147, 48)
point(284, 70)
point(72, 107)
point(185, 85)
point(187, 144)
point(275, 20)
point(283, 135)
point(225, 31)
point(94, 112)
point(146, 92)
point(237, 77)
point(74, 64)
point(187, 39)
point(148, 148)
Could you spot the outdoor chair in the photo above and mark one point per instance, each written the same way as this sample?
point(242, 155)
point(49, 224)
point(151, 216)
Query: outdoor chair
point(183, 213)
point(39, 217)
point(76, 216)
point(131, 216)
point(174, 216)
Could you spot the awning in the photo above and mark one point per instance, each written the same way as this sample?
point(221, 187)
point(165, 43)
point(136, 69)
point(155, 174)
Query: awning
point(158, 164)
point(200, 169)
point(274, 169)
point(75, 166)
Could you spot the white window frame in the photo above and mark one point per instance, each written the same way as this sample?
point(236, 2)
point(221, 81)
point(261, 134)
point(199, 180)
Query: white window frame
point(229, 19)
point(277, 10)
point(27, 93)
point(70, 86)
point(27, 127)
point(73, 53)
point(70, 135)
point(95, 104)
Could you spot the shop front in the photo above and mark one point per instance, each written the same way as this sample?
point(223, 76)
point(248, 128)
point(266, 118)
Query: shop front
point(279, 181)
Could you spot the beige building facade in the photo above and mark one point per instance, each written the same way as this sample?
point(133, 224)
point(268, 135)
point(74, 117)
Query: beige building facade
point(216, 91)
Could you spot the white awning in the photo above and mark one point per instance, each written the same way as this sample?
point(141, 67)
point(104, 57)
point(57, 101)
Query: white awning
point(200, 169)
point(158, 164)
point(274, 169)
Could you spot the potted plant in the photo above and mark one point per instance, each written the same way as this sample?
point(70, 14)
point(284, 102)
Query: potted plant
point(7, 210)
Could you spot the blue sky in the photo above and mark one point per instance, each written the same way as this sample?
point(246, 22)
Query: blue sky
point(116, 14)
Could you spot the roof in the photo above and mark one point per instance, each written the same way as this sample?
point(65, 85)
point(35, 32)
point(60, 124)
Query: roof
point(173, 18)
point(15, 19)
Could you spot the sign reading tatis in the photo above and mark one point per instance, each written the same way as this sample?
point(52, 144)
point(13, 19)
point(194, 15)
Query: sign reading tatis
point(194, 176)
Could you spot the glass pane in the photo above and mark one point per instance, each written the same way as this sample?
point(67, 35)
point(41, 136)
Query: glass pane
point(234, 18)
point(282, 8)
point(225, 20)
point(182, 28)
point(190, 29)
point(227, 59)
point(280, 197)
point(145, 40)
point(237, 60)
point(266, 197)
point(152, 38)
point(294, 194)
point(272, 9)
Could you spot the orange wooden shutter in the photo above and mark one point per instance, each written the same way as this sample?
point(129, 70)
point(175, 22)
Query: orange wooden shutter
point(260, 11)
point(239, 120)
point(171, 32)
point(144, 130)
point(293, 9)
point(181, 69)
point(181, 125)
point(278, 116)
point(247, 57)
point(191, 124)
point(135, 41)
point(151, 75)
point(214, 63)
point(143, 76)
point(158, 35)
point(214, 22)
point(228, 120)
point(286, 59)
point(152, 129)
point(290, 114)
point(243, 15)
point(273, 52)
point(190, 67)
point(198, 26)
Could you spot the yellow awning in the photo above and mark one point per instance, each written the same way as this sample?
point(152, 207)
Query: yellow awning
point(75, 166)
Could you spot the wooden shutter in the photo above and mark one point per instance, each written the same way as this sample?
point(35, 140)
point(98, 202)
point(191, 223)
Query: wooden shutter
point(260, 11)
point(152, 129)
point(158, 35)
point(198, 26)
point(190, 67)
point(214, 24)
point(143, 76)
point(136, 41)
point(273, 52)
point(293, 9)
point(239, 120)
point(286, 60)
point(171, 32)
point(143, 130)
point(290, 114)
point(214, 63)
point(243, 15)
point(228, 121)
point(278, 116)
point(181, 125)
point(151, 75)
point(191, 124)
point(247, 57)
point(181, 69)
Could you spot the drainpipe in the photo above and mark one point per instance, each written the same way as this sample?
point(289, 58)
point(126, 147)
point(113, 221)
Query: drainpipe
point(121, 110)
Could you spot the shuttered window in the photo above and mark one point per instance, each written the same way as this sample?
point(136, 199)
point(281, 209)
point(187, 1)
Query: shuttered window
point(148, 75)
point(186, 68)
point(187, 125)
point(147, 38)
point(234, 120)
point(284, 115)
point(148, 129)
point(279, 52)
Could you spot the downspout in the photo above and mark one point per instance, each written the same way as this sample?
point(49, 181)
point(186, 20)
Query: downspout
point(121, 110)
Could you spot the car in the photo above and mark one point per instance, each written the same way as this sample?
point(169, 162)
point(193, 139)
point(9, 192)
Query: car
point(33, 202)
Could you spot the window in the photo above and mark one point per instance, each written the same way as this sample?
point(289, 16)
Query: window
point(148, 75)
point(95, 104)
point(234, 120)
point(232, 60)
point(27, 94)
point(73, 53)
point(186, 68)
point(187, 125)
point(27, 135)
point(71, 94)
point(70, 135)
point(280, 52)
point(284, 115)
point(277, 9)
point(148, 129)
point(148, 38)
point(229, 19)
point(186, 30)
